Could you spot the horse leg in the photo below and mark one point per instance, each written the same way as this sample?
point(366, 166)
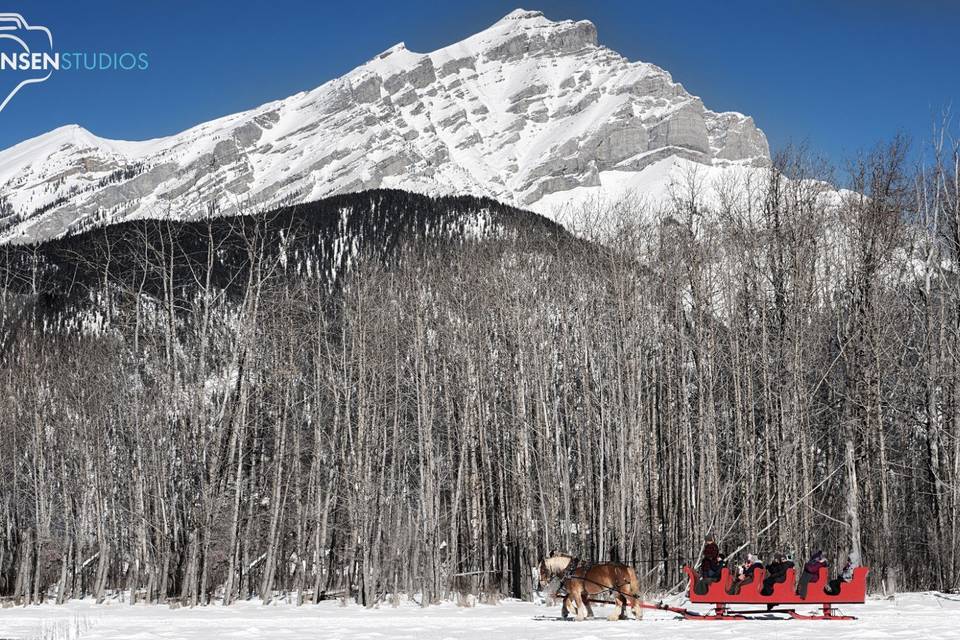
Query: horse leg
point(586, 603)
point(634, 600)
point(564, 609)
point(581, 610)
point(618, 610)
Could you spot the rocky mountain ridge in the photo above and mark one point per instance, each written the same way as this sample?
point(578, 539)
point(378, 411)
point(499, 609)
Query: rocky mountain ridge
point(531, 112)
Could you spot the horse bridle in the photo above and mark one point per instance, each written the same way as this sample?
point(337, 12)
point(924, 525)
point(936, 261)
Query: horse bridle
point(566, 574)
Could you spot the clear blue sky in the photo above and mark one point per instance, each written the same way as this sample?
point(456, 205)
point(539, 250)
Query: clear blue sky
point(840, 75)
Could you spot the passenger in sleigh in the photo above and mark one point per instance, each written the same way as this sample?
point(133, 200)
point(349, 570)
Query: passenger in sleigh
point(710, 565)
point(811, 572)
point(846, 575)
point(776, 573)
point(745, 573)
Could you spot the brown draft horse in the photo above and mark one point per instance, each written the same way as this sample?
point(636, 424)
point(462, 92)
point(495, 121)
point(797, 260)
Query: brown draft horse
point(586, 581)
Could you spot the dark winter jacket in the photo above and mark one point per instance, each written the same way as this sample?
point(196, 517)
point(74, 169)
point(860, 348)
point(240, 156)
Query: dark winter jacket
point(710, 565)
point(711, 551)
point(777, 570)
point(748, 571)
point(812, 568)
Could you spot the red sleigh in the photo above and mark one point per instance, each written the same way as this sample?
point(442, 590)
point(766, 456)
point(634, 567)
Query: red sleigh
point(783, 593)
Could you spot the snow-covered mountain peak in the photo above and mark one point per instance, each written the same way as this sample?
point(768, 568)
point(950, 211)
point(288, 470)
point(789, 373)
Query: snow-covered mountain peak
point(527, 31)
point(521, 14)
point(529, 111)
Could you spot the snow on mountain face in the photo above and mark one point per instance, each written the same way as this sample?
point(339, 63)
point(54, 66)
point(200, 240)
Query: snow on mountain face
point(529, 111)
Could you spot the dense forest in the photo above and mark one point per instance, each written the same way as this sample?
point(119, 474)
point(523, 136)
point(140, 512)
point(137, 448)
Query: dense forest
point(387, 394)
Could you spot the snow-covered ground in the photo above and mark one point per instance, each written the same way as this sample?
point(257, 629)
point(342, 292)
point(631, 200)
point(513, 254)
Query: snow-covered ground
point(913, 615)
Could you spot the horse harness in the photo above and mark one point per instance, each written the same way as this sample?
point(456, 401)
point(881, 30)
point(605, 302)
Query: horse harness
point(575, 565)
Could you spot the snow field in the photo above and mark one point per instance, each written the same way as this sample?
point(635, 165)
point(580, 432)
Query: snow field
point(911, 615)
